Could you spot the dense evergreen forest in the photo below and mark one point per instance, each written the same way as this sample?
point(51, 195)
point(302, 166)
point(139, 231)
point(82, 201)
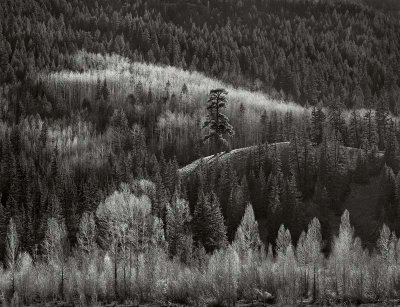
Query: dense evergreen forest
point(301, 50)
point(104, 105)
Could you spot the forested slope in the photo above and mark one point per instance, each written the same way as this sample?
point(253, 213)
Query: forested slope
point(103, 103)
point(305, 51)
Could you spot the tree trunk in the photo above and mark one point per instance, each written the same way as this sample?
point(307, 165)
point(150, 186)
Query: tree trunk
point(115, 272)
point(314, 285)
point(62, 281)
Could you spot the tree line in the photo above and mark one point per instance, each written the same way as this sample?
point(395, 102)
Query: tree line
point(123, 253)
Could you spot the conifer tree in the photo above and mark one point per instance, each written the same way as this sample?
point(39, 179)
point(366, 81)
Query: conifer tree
point(235, 209)
point(312, 245)
point(218, 123)
point(391, 147)
point(336, 120)
point(370, 135)
point(292, 207)
point(382, 121)
point(283, 241)
point(342, 252)
point(274, 201)
point(355, 129)
point(383, 243)
point(264, 126)
point(247, 236)
point(209, 228)
point(105, 92)
point(317, 124)
point(98, 93)
point(3, 61)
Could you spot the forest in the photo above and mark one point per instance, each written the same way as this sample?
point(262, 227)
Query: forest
point(199, 152)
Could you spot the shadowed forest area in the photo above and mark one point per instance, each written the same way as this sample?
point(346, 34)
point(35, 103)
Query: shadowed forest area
point(199, 152)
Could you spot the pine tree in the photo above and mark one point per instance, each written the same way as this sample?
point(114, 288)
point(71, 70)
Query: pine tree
point(217, 123)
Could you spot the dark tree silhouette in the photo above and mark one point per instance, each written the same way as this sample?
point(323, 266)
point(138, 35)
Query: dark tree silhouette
point(218, 123)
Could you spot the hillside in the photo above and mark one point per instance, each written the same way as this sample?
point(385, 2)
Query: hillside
point(307, 51)
point(238, 158)
point(171, 98)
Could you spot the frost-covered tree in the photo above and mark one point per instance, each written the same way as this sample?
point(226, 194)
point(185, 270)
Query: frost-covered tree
point(247, 237)
point(55, 248)
point(177, 226)
point(342, 252)
point(127, 228)
point(86, 236)
point(12, 246)
point(313, 247)
point(283, 240)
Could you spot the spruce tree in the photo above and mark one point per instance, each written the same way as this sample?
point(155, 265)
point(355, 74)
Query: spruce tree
point(209, 228)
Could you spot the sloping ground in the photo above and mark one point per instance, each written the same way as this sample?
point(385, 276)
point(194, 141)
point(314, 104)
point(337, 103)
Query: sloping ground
point(238, 158)
point(360, 202)
point(122, 76)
